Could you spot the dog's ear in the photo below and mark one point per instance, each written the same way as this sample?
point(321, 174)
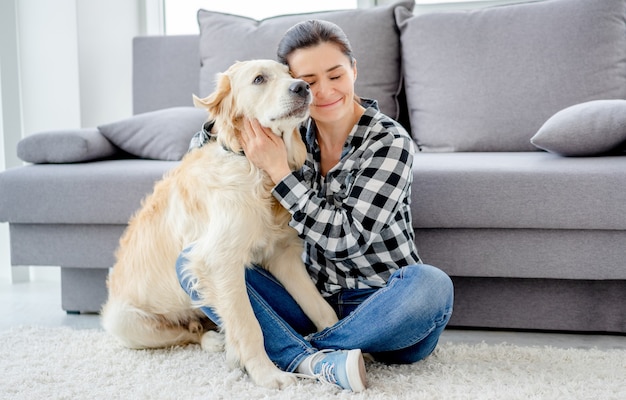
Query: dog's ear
point(217, 103)
point(221, 107)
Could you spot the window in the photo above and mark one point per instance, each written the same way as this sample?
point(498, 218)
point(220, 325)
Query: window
point(180, 16)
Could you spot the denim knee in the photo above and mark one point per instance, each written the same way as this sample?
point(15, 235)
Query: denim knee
point(433, 285)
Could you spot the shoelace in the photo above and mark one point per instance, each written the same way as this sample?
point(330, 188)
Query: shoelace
point(326, 371)
point(327, 374)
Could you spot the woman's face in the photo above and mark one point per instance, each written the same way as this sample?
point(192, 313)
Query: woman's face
point(331, 77)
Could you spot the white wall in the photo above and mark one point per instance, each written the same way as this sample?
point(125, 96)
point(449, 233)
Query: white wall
point(48, 58)
point(75, 61)
point(105, 31)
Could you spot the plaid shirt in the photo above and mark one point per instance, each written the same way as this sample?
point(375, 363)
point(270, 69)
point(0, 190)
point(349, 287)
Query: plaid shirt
point(356, 221)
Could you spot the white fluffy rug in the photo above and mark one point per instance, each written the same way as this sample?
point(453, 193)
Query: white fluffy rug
point(62, 363)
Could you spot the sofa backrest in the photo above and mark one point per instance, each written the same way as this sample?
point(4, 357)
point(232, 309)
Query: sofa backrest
point(486, 80)
point(168, 69)
point(165, 72)
point(477, 80)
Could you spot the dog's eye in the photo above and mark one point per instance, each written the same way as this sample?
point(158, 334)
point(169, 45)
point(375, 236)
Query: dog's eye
point(259, 79)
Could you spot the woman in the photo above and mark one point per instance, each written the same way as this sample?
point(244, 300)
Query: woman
point(350, 203)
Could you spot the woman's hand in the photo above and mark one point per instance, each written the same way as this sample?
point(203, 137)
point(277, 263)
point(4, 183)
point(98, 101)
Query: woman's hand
point(265, 150)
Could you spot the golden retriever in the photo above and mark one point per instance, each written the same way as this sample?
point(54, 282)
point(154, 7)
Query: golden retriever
point(222, 205)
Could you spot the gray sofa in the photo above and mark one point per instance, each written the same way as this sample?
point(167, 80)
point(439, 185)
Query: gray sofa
point(519, 185)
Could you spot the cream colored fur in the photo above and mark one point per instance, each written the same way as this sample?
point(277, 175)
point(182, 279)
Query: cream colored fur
point(222, 204)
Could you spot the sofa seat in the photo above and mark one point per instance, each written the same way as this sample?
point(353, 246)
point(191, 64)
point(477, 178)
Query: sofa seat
point(524, 190)
point(551, 217)
point(69, 193)
point(52, 219)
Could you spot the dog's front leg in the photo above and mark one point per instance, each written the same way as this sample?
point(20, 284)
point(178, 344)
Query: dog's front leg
point(243, 335)
point(287, 266)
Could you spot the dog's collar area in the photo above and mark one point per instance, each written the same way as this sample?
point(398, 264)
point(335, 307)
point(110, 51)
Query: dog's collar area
point(239, 153)
point(205, 135)
point(202, 137)
point(207, 128)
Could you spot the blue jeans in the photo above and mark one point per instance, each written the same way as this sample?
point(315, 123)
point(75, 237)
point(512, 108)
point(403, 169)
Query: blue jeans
point(399, 323)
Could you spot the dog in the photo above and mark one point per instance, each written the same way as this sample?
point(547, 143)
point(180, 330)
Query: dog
point(220, 205)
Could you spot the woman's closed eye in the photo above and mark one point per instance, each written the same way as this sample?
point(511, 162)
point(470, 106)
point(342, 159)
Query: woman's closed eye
point(332, 78)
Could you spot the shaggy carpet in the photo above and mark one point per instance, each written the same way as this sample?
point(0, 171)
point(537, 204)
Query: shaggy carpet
point(62, 363)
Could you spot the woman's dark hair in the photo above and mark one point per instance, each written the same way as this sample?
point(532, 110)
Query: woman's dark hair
point(312, 33)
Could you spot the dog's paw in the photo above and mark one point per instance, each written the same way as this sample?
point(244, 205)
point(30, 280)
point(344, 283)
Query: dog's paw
point(275, 379)
point(213, 342)
point(195, 327)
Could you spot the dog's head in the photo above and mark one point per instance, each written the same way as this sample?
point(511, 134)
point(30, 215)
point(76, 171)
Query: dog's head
point(261, 89)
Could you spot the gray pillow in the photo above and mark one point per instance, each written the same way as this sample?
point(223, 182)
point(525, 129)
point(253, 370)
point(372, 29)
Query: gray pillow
point(486, 80)
point(68, 146)
point(159, 135)
point(586, 129)
point(226, 38)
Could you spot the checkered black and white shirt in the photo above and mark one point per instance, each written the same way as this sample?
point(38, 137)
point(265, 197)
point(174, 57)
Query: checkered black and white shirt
point(356, 221)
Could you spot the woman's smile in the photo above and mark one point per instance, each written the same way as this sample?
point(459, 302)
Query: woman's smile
point(327, 104)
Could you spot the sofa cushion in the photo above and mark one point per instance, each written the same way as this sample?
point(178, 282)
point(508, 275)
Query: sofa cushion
point(99, 192)
point(586, 129)
point(158, 135)
point(518, 190)
point(226, 38)
point(486, 80)
point(68, 146)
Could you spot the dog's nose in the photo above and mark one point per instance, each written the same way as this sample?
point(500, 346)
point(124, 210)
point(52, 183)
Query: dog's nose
point(301, 88)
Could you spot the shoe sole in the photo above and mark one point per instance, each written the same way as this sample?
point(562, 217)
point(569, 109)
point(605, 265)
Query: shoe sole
point(356, 376)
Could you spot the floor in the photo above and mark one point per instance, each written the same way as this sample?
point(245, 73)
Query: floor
point(39, 303)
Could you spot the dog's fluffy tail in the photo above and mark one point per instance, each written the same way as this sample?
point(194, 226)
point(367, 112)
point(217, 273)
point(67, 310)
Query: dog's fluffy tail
point(137, 329)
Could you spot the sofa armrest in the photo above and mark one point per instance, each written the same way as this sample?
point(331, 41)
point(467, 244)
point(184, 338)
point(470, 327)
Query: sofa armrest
point(65, 146)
